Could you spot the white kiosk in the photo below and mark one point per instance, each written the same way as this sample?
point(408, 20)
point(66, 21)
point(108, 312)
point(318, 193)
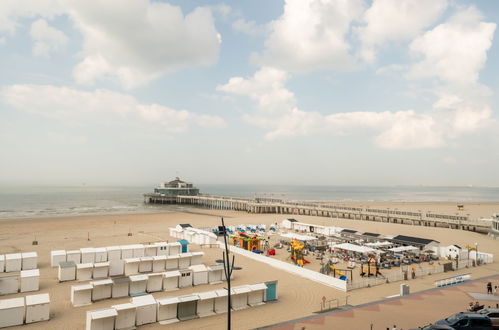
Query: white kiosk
point(121, 287)
point(67, 271)
point(185, 278)
point(29, 260)
point(81, 295)
point(170, 280)
point(30, 280)
point(221, 301)
point(101, 289)
point(167, 310)
point(101, 270)
point(216, 274)
point(13, 262)
point(206, 303)
point(37, 308)
point(132, 266)
point(159, 263)
point(146, 309)
point(84, 272)
point(145, 265)
point(9, 283)
point(56, 257)
point(257, 295)
point(138, 285)
point(200, 274)
point(239, 298)
point(154, 282)
point(11, 312)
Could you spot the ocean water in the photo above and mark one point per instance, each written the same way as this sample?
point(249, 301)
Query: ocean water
point(21, 202)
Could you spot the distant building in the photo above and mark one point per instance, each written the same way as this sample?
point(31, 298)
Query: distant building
point(176, 187)
point(494, 226)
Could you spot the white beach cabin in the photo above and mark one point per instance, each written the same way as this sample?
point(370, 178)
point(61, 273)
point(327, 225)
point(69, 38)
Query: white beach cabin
point(184, 260)
point(174, 248)
point(74, 255)
point(2, 263)
point(30, 280)
point(187, 307)
point(101, 270)
point(197, 258)
point(221, 301)
point(154, 282)
point(161, 248)
point(101, 319)
point(200, 274)
point(149, 250)
point(146, 309)
point(11, 312)
point(138, 250)
point(145, 265)
point(101, 289)
point(29, 260)
point(125, 319)
point(13, 262)
point(114, 253)
point(126, 251)
point(167, 310)
point(185, 279)
point(215, 274)
point(121, 287)
point(170, 280)
point(239, 297)
point(257, 295)
point(37, 308)
point(132, 266)
point(206, 303)
point(138, 285)
point(159, 263)
point(81, 295)
point(84, 272)
point(172, 262)
point(87, 255)
point(9, 283)
point(100, 254)
point(67, 271)
point(56, 257)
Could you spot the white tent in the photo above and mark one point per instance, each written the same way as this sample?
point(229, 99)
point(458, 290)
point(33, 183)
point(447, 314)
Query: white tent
point(172, 262)
point(145, 265)
point(121, 287)
point(185, 278)
point(171, 280)
point(13, 262)
point(299, 237)
point(30, 280)
point(146, 309)
point(101, 289)
point(74, 255)
point(56, 257)
point(221, 301)
point(9, 283)
point(138, 250)
point(138, 284)
point(200, 274)
point(37, 308)
point(167, 310)
point(29, 260)
point(2, 263)
point(101, 319)
point(126, 316)
point(101, 270)
point(159, 263)
point(132, 266)
point(126, 251)
point(215, 274)
point(380, 244)
point(403, 248)
point(81, 295)
point(11, 312)
point(67, 271)
point(100, 254)
point(87, 255)
point(257, 295)
point(356, 248)
point(84, 272)
point(206, 303)
point(197, 258)
point(154, 282)
point(184, 260)
point(239, 298)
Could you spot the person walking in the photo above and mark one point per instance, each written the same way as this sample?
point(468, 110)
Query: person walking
point(489, 288)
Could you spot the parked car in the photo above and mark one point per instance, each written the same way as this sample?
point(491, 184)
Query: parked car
point(493, 314)
point(435, 327)
point(467, 321)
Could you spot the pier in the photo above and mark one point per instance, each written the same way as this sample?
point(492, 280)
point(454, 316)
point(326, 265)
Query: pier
point(277, 206)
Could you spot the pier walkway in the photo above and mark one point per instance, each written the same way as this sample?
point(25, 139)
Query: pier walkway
point(277, 206)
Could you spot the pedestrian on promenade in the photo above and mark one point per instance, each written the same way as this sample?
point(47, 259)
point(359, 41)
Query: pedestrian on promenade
point(489, 288)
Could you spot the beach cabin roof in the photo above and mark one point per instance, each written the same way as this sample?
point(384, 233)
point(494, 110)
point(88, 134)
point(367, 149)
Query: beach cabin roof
point(102, 282)
point(291, 220)
point(183, 242)
point(11, 303)
point(371, 234)
point(412, 240)
point(83, 266)
point(207, 295)
point(168, 301)
point(221, 293)
point(104, 313)
point(190, 297)
point(82, 287)
point(185, 225)
point(350, 231)
point(125, 306)
point(38, 299)
point(198, 268)
point(30, 273)
point(143, 300)
point(67, 264)
point(241, 289)
point(258, 286)
point(29, 254)
point(173, 273)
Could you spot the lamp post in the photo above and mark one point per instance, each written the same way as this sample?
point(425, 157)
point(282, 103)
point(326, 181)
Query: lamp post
point(228, 269)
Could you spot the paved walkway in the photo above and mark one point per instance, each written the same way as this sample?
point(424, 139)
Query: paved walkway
point(405, 312)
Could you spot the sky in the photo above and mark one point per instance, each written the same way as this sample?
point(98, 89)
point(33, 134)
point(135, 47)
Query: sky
point(298, 92)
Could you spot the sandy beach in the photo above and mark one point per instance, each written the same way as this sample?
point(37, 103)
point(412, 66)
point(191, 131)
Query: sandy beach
point(298, 297)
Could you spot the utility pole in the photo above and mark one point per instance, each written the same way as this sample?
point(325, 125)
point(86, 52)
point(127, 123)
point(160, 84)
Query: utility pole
point(228, 268)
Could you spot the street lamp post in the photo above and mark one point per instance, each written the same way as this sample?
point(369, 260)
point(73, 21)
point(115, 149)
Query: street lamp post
point(476, 253)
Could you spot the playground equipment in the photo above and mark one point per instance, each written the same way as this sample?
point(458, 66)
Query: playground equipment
point(329, 269)
point(371, 268)
point(296, 253)
point(246, 241)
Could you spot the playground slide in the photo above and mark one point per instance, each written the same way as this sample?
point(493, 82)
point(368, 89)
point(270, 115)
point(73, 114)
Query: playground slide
point(306, 261)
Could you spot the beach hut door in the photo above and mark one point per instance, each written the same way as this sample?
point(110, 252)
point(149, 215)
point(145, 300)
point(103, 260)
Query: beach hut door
point(187, 310)
point(271, 292)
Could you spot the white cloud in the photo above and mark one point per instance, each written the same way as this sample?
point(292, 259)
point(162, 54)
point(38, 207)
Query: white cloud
point(75, 106)
point(310, 35)
point(395, 20)
point(141, 41)
point(250, 28)
point(454, 51)
point(47, 39)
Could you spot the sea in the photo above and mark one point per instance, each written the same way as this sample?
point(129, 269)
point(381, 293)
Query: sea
point(49, 201)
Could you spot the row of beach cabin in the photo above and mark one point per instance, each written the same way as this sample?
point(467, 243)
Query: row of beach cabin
point(146, 309)
point(15, 262)
point(24, 310)
point(138, 285)
point(23, 281)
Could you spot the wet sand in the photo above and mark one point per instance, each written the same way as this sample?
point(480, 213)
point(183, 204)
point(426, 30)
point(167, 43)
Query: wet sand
point(298, 297)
